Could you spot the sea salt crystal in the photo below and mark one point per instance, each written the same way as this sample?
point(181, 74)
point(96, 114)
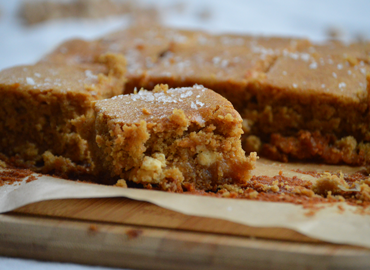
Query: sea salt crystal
point(295, 85)
point(148, 62)
point(199, 119)
point(164, 99)
point(349, 72)
point(202, 40)
point(147, 96)
point(187, 94)
point(305, 57)
point(201, 104)
point(224, 63)
point(284, 73)
point(38, 75)
point(181, 65)
point(363, 71)
point(179, 38)
point(313, 65)
point(323, 86)
point(216, 60)
point(198, 86)
point(114, 47)
point(90, 75)
point(295, 56)
point(30, 81)
point(334, 75)
point(342, 84)
point(166, 74)
point(193, 105)
point(339, 66)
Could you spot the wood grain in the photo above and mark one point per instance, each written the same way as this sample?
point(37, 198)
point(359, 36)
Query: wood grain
point(130, 212)
point(117, 245)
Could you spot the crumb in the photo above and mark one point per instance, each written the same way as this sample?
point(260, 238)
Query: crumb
point(121, 183)
point(310, 213)
point(31, 178)
point(134, 233)
point(365, 192)
point(251, 143)
point(93, 228)
point(146, 111)
point(329, 184)
point(13, 176)
point(2, 164)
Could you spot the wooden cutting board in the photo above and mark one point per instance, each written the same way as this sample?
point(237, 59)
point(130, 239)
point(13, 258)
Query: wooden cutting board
point(120, 232)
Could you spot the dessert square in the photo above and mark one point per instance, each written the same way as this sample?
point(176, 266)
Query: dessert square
point(39, 101)
point(171, 139)
point(318, 110)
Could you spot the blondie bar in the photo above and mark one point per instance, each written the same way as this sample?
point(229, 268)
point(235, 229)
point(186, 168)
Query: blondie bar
point(39, 101)
point(172, 139)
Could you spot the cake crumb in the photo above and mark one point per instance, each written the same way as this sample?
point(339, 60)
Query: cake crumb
point(134, 233)
point(2, 164)
point(121, 183)
point(365, 192)
point(93, 228)
point(341, 208)
point(329, 183)
point(146, 111)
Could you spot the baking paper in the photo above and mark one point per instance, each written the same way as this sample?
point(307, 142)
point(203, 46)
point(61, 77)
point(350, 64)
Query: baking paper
point(327, 224)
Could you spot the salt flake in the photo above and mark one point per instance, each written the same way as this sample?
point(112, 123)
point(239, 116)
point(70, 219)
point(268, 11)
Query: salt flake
point(30, 81)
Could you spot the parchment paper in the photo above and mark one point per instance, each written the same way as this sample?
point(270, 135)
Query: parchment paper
point(328, 224)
